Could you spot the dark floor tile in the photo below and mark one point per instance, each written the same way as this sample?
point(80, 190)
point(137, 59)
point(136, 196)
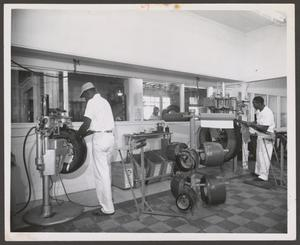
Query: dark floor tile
point(227, 225)
point(144, 230)
point(281, 227)
point(66, 227)
point(224, 213)
point(259, 228)
point(200, 223)
point(124, 219)
point(237, 197)
point(173, 231)
point(90, 228)
point(275, 216)
point(149, 220)
point(265, 206)
point(242, 205)
point(249, 215)
point(259, 198)
point(117, 229)
point(175, 222)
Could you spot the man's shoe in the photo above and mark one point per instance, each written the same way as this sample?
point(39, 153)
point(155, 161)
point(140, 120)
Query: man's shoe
point(100, 213)
point(258, 179)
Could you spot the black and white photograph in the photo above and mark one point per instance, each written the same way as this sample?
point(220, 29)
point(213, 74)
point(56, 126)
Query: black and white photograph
point(169, 122)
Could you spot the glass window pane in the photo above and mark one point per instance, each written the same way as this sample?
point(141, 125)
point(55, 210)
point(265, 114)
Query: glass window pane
point(27, 89)
point(283, 114)
point(111, 88)
point(161, 94)
point(273, 106)
point(193, 99)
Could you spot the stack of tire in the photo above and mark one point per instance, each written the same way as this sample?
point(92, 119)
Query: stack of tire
point(212, 189)
point(172, 114)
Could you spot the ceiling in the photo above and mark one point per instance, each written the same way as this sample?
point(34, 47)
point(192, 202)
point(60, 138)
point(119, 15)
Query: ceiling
point(242, 20)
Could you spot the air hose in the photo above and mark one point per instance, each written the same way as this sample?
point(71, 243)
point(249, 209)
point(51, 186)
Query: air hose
point(26, 170)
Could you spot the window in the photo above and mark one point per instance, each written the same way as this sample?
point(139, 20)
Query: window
point(159, 94)
point(149, 103)
point(27, 89)
point(273, 106)
point(283, 110)
point(193, 98)
point(166, 101)
point(111, 88)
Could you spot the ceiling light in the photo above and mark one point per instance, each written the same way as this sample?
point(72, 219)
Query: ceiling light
point(272, 15)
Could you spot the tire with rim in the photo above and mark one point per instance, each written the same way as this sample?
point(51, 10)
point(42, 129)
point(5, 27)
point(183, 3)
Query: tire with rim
point(76, 150)
point(186, 199)
point(229, 138)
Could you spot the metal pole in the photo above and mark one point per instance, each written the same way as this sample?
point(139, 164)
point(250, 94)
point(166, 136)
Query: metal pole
point(281, 161)
point(192, 132)
point(46, 208)
point(143, 177)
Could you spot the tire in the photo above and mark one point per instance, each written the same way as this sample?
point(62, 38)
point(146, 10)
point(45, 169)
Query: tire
point(230, 139)
point(212, 190)
point(173, 149)
point(186, 199)
point(186, 161)
point(177, 183)
point(172, 109)
point(77, 150)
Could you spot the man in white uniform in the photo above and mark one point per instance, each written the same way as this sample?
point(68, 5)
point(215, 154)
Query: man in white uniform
point(154, 115)
point(264, 127)
point(98, 120)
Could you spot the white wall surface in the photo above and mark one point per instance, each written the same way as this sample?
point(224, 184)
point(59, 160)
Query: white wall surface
point(265, 54)
point(160, 39)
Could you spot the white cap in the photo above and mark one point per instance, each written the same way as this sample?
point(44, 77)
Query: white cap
point(86, 87)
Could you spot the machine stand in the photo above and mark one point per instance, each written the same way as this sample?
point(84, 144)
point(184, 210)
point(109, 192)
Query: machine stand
point(49, 214)
point(59, 214)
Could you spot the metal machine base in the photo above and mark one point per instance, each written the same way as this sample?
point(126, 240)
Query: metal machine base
point(60, 214)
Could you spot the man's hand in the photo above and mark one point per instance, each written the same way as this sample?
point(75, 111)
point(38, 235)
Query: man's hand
point(251, 124)
point(82, 131)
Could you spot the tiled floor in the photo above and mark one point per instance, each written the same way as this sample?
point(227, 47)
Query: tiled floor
point(248, 209)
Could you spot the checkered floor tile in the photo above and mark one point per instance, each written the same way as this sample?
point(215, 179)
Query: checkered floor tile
point(248, 209)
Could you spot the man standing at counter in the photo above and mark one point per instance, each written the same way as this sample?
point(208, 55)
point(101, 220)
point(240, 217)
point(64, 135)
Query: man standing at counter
point(98, 120)
point(264, 127)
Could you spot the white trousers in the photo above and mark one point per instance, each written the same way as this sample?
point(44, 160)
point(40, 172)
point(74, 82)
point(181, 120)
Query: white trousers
point(264, 152)
point(101, 149)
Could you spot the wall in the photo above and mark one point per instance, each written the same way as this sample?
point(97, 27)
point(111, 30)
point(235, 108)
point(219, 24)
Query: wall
point(265, 53)
point(161, 39)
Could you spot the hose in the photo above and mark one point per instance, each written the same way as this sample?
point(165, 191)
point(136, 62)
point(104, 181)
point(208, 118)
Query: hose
point(26, 170)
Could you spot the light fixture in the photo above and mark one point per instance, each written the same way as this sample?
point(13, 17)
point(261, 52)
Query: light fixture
point(272, 15)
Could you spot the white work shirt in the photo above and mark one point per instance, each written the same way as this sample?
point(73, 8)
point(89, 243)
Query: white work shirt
point(266, 118)
point(99, 111)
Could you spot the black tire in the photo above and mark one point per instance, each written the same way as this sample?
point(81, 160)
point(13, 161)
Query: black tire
point(212, 190)
point(77, 153)
point(185, 160)
point(172, 109)
point(186, 199)
point(173, 149)
point(230, 140)
point(177, 183)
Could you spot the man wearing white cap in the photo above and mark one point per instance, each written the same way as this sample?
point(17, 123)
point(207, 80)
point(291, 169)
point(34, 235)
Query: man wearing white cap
point(98, 119)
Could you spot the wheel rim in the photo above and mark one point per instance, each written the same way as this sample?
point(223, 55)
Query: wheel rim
point(70, 155)
point(183, 202)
